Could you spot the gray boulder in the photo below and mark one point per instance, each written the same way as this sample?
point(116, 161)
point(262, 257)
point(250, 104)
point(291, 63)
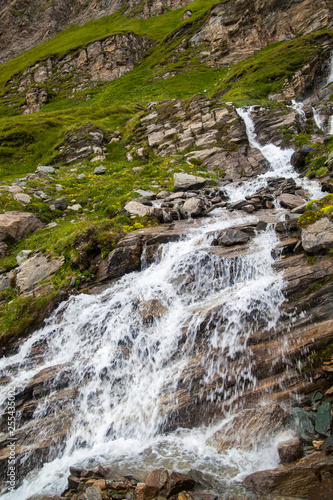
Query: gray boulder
point(318, 237)
point(193, 207)
point(185, 182)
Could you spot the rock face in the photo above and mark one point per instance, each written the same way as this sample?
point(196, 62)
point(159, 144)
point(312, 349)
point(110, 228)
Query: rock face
point(237, 30)
point(318, 237)
point(35, 269)
point(254, 426)
point(80, 144)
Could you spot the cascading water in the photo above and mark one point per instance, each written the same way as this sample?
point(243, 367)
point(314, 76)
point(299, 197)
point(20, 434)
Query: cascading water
point(280, 166)
point(125, 364)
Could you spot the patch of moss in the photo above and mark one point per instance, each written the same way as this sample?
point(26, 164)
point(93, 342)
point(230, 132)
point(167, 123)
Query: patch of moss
point(315, 210)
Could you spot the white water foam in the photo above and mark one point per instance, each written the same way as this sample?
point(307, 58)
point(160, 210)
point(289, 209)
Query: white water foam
point(280, 166)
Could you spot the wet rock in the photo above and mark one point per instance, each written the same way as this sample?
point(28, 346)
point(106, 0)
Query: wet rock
point(178, 482)
point(152, 309)
point(290, 450)
point(16, 225)
point(231, 237)
point(297, 159)
point(73, 482)
point(186, 182)
point(304, 424)
point(318, 237)
point(92, 493)
point(294, 479)
point(145, 492)
point(254, 426)
point(324, 419)
point(35, 269)
point(193, 207)
point(327, 446)
point(322, 491)
point(157, 478)
point(290, 201)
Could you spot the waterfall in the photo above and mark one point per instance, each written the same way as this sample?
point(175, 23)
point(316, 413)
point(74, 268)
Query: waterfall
point(330, 75)
point(318, 120)
point(279, 161)
point(125, 363)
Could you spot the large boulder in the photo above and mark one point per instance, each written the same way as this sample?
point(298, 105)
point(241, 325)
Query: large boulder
point(295, 479)
point(318, 237)
point(16, 225)
point(184, 182)
point(193, 207)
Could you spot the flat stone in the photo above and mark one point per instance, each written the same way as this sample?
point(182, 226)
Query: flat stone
point(45, 169)
point(75, 207)
point(35, 269)
point(136, 208)
point(15, 189)
point(322, 491)
point(318, 237)
point(186, 182)
point(22, 198)
point(290, 200)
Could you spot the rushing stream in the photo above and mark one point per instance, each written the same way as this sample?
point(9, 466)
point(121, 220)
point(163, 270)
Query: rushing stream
point(126, 368)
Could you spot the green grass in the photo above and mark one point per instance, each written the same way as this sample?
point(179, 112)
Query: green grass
point(156, 28)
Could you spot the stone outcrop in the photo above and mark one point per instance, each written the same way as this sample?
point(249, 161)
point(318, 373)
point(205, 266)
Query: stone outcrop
point(26, 24)
point(236, 30)
point(35, 269)
point(79, 144)
point(172, 126)
point(100, 61)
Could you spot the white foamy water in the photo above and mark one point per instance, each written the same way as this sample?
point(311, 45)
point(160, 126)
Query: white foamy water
point(318, 120)
point(280, 166)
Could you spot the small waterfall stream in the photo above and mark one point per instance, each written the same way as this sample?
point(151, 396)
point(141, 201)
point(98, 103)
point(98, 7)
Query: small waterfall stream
point(126, 366)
